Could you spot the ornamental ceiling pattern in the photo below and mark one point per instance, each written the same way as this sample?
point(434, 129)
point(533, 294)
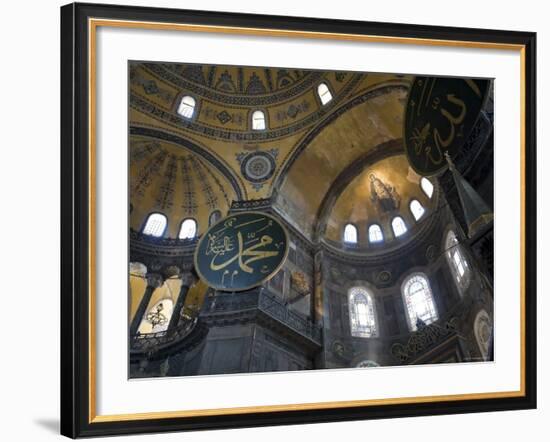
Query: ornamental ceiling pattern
point(181, 184)
point(190, 167)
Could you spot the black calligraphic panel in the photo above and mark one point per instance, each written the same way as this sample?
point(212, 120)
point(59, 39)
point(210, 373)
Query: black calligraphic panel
point(439, 116)
point(241, 251)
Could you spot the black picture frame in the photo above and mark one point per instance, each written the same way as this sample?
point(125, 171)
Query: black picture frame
point(77, 418)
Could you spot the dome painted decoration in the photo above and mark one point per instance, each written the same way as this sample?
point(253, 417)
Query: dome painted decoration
point(375, 196)
point(385, 196)
point(189, 167)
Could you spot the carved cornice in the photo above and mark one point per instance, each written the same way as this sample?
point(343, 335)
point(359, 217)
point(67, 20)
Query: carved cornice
point(164, 72)
point(423, 339)
point(161, 247)
point(260, 305)
point(155, 345)
point(143, 105)
point(262, 204)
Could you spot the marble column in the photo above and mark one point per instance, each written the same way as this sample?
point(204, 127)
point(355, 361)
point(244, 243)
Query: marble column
point(187, 281)
point(154, 281)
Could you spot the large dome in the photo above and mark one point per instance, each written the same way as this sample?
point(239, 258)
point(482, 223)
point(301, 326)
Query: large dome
point(346, 257)
point(190, 167)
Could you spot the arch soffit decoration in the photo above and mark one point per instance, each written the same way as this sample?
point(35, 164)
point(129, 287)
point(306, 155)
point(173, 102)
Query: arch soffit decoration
point(298, 154)
point(312, 135)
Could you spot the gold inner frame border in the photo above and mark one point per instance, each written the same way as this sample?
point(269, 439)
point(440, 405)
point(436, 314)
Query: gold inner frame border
point(93, 24)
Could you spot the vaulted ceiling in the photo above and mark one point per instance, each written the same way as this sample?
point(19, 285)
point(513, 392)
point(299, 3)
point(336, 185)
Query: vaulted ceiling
point(375, 196)
point(190, 167)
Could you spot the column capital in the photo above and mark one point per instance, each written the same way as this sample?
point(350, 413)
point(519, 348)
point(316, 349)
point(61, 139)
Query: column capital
point(188, 279)
point(154, 280)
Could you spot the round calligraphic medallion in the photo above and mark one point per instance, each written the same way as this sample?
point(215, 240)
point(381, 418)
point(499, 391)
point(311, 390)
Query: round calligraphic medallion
point(439, 115)
point(258, 167)
point(241, 251)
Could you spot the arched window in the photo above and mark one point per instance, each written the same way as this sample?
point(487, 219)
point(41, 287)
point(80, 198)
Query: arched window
point(324, 93)
point(457, 261)
point(155, 225)
point(375, 233)
point(215, 216)
point(157, 318)
point(418, 299)
point(258, 120)
point(427, 186)
point(367, 363)
point(362, 314)
point(482, 331)
point(398, 226)
point(416, 209)
point(187, 107)
point(188, 229)
point(350, 234)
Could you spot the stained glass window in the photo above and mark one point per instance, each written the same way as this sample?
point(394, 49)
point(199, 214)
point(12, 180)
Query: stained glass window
point(398, 226)
point(375, 234)
point(362, 313)
point(367, 363)
point(457, 261)
point(258, 120)
point(427, 186)
point(187, 107)
point(416, 209)
point(188, 229)
point(155, 225)
point(350, 234)
point(324, 93)
point(418, 300)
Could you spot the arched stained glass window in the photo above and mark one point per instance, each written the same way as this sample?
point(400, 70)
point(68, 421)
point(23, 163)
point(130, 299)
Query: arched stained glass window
point(215, 216)
point(362, 313)
point(398, 226)
point(258, 120)
point(418, 298)
point(188, 229)
point(416, 209)
point(375, 234)
point(350, 234)
point(324, 93)
point(457, 261)
point(155, 225)
point(187, 107)
point(367, 363)
point(427, 186)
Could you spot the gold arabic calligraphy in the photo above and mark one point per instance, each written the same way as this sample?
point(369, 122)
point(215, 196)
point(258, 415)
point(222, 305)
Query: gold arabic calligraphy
point(434, 153)
point(245, 247)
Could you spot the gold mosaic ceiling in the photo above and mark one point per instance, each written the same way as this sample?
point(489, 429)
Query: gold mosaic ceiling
point(190, 167)
point(379, 193)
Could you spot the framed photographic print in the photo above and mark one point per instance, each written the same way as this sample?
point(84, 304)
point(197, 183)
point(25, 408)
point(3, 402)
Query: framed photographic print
point(278, 220)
